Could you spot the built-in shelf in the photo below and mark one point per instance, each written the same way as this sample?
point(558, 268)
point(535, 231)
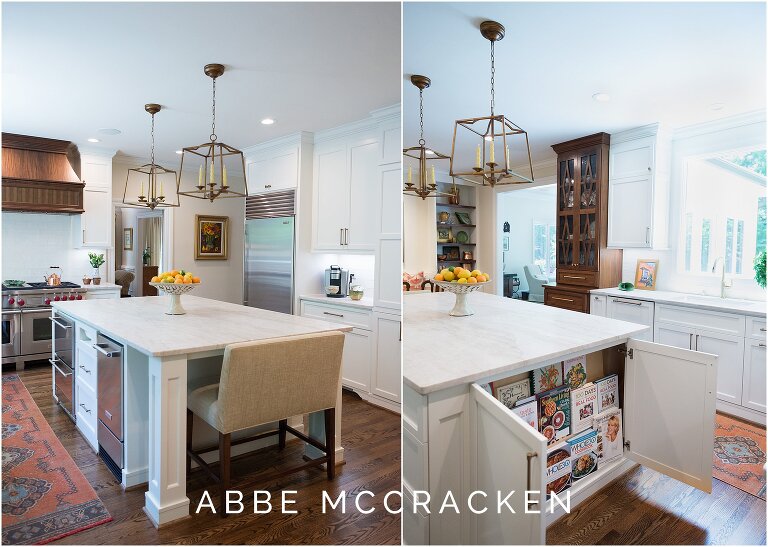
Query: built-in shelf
point(456, 261)
point(457, 225)
point(452, 206)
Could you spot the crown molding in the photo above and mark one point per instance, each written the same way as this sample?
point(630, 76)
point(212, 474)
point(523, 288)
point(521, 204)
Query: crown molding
point(722, 124)
point(294, 139)
point(93, 151)
point(376, 117)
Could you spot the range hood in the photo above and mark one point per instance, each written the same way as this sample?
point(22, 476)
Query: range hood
point(41, 175)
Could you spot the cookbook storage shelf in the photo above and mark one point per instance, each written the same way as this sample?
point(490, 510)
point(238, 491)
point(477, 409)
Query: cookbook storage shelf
point(454, 206)
point(467, 206)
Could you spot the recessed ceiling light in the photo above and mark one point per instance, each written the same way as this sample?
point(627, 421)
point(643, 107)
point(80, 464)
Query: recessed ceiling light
point(109, 131)
point(717, 106)
point(601, 97)
point(267, 121)
point(179, 151)
point(93, 140)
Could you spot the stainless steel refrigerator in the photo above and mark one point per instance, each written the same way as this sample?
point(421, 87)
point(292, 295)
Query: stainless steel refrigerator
point(269, 256)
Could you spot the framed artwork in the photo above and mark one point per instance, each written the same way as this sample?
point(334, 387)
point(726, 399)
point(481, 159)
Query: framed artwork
point(505, 243)
point(509, 392)
point(128, 239)
point(211, 236)
point(444, 235)
point(645, 274)
point(450, 252)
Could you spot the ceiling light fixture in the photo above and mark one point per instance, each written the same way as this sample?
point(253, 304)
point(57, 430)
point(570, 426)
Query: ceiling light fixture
point(717, 106)
point(215, 158)
point(601, 97)
point(267, 121)
point(154, 175)
point(108, 131)
point(492, 130)
point(93, 140)
point(426, 185)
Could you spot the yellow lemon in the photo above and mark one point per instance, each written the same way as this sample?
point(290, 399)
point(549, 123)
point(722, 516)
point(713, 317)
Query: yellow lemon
point(448, 276)
point(475, 273)
point(471, 280)
point(463, 280)
point(464, 274)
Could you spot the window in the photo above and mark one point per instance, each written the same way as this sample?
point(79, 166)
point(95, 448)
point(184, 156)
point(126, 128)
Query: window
point(724, 212)
point(544, 247)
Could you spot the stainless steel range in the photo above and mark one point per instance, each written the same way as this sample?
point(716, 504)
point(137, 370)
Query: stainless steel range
point(27, 328)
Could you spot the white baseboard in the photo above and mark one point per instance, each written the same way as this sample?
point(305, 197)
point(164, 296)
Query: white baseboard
point(741, 412)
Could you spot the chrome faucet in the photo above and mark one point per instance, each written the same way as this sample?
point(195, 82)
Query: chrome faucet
point(722, 274)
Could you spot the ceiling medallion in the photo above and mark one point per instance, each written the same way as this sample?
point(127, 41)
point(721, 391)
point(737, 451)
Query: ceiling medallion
point(492, 131)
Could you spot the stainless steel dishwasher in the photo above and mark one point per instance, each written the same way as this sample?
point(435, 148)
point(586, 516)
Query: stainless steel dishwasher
point(110, 393)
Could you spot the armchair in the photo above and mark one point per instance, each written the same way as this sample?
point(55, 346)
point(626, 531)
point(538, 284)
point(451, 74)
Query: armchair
point(536, 281)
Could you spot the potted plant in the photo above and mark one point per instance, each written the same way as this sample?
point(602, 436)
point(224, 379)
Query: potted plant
point(96, 261)
point(760, 269)
point(145, 256)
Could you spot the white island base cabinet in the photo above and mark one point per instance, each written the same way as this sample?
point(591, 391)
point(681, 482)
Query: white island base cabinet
point(464, 440)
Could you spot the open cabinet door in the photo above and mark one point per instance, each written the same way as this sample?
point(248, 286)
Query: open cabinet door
point(669, 411)
point(500, 444)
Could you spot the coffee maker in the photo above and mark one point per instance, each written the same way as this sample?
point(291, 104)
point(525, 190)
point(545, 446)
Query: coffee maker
point(336, 282)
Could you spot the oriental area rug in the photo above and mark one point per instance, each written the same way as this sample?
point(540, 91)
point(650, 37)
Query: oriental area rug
point(45, 496)
point(740, 455)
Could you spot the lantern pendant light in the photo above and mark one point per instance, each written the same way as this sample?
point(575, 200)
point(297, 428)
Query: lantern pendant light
point(495, 134)
point(145, 186)
point(219, 169)
point(426, 185)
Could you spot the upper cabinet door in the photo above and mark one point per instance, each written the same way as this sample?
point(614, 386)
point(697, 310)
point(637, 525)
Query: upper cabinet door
point(278, 171)
point(632, 311)
point(501, 443)
point(669, 411)
point(331, 198)
point(363, 185)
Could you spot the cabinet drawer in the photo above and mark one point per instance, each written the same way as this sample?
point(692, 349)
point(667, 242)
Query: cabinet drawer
point(566, 300)
point(338, 314)
point(598, 304)
point(756, 328)
point(415, 414)
point(86, 371)
point(725, 323)
point(416, 455)
point(85, 412)
point(415, 522)
point(577, 277)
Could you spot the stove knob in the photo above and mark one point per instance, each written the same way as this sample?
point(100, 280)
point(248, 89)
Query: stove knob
point(56, 298)
point(47, 301)
point(20, 302)
point(11, 301)
point(79, 297)
point(71, 296)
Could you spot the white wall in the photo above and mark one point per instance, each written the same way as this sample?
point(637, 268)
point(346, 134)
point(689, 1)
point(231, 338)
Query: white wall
point(418, 234)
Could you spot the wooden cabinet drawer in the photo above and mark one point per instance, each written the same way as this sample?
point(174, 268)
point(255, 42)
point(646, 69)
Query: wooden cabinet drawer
point(338, 314)
point(756, 328)
point(577, 277)
point(566, 300)
point(725, 323)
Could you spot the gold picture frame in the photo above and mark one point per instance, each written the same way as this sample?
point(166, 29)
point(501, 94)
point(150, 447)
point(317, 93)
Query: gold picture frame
point(128, 239)
point(211, 237)
point(646, 274)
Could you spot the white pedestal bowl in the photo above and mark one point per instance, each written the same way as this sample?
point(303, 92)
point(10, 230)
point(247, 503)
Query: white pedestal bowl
point(175, 290)
point(462, 291)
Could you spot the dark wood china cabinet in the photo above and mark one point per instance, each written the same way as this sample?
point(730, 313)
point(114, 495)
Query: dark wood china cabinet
point(583, 260)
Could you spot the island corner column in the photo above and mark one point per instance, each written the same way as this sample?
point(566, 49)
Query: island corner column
point(166, 500)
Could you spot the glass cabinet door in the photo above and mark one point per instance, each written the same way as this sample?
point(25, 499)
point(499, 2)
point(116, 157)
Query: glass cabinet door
point(588, 243)
point(589, 176)
point(567, 228)
point(566, 185)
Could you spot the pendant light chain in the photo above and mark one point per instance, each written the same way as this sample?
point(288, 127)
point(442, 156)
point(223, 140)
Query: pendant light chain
point(153, 139)
point(422, 142)
point(213, 109)
point(493, 74)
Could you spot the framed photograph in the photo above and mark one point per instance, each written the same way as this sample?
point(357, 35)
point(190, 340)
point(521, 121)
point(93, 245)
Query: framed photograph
point(509, 392)
point(463, 218)
point(128, 239)
point(505, 243)
point(444, 235)
point(451, 253)
point(645, 274)
point(212, 234)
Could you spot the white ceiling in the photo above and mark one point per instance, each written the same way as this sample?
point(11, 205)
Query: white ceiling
point(70, 69)
point(660, 62)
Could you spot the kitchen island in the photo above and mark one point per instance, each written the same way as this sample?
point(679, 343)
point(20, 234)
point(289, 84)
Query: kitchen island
point(458, 438)
point(162, 353)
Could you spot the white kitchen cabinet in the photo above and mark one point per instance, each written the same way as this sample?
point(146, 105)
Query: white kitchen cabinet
point(678, 336)
point(386, 377)
point(331, 193)
point(93, 228)
point(364, 208)
point(356, 362)
point(730, 350)
point(753, 390)
point(86, 383)
point(388, 291)
point(278, 170)
point(632, 311)
point(638, 189)
point(598, 305)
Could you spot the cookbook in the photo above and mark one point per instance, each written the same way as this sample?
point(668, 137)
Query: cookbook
point(607, 393)
point(555, 413)
point(575, 371)
point(583, 407)
point(526, 409)
point(610, 435)
point(546, 378)
point(584, 458)
point(558, 475)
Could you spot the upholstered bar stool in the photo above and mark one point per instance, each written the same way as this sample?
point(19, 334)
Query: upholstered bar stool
point(266, 382)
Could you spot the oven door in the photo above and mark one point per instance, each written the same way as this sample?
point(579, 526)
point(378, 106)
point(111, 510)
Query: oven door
point(64, 383)
point(36, 331)
point(11, 333)
point(63, 345)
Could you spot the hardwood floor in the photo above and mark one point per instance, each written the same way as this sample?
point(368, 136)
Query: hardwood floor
point(644, 507)
point(371, 438)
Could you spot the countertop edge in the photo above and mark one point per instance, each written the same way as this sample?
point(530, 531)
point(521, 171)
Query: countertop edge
point(650, 296)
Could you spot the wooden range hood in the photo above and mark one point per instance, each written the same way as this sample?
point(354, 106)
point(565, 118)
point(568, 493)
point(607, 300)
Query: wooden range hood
point(41, 175)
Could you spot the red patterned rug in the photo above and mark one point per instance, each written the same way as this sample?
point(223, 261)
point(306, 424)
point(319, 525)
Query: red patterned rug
point(740, 455)
point(45, 496)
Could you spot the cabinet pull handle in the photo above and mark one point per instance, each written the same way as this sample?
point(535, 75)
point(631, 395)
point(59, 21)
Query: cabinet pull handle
point(761, 345)
point(341, 236)
point(690, 342)
point(400, 338)
point(697, 342)
point(649, 169)
point(346, 236)
point(267, 186)
point(574, 277)
point(84, 408)
point(333, 314)
point(529, 456)
point(762, 329)
point(597, 298)
point(627, 302)
point(563, 299)
point(648, 233)
point(85, 369)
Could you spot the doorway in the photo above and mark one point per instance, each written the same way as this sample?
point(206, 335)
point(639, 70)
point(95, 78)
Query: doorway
point(140, 248)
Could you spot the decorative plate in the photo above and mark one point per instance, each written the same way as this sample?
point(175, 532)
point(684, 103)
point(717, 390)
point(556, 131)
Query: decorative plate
point(462, 237)
point(13, 283)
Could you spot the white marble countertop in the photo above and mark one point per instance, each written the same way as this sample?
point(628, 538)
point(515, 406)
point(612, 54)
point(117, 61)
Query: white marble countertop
point(102, 287)
point(504, 335)
point(207, 325)
point(365, 302)
point(702, 302)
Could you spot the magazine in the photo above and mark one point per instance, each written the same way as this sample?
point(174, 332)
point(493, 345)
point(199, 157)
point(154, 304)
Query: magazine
point(583, 407)
point(610, 435)
point(607, 392)
point(546, 378)
point(575, 371)
point(509, 394)
point(527, 410)
point(555, 413)
point(584, 458)
point(558, 474)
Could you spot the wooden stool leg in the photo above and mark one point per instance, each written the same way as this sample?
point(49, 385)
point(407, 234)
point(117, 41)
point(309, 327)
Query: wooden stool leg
point(281, 434)
point(330, 441)
point(224, 470)
point(190, 420)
